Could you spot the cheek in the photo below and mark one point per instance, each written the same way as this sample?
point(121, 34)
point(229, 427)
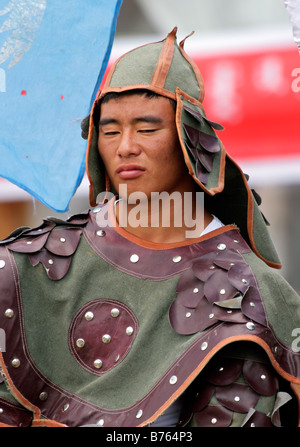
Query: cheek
point(172, 153)
point(104, 154)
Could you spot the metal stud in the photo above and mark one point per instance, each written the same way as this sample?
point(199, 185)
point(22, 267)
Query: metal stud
point(80, 343)
point(98, 363)
point(204, 346)
point(29, 242)
point(263, 377)
point(43, 396)
point(139, 414)
point(221, 246)
point(62, 239)
point(176, 258)
point(16, 363)
point(100, 422)
point(115, 312)
point(101, 233)
point(252, 304)
point(106, 338)
point(244, 281)
point(1, 410)
point(50, 261)
point(117, 358)
point(9, 313)
point(2, 263)
point(236, 241)
point(97, 209)
point(250, 326)
point(211, 316)
point(89, 316)
point(66, 407)
point(214, 421)
point(237, 398)
point(173, 380)
point(196, 290)
point(134, 258)
point(188, 314)
point(222, 292)
point(129, 330)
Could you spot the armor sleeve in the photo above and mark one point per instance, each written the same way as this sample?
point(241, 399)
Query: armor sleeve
point(238, 388)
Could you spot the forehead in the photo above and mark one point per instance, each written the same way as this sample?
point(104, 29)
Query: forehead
point(136, 103)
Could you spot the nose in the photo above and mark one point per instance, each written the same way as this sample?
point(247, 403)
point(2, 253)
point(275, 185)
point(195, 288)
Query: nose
point(128, 145)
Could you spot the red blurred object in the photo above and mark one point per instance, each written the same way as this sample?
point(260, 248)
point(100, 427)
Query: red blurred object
point(253, 95)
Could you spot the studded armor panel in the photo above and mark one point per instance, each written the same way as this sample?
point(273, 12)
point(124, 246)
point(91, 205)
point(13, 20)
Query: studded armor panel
point(236, 390)
point(127, 331)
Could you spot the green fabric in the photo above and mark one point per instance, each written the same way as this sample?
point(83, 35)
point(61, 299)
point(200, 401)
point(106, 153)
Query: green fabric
point(145, 58)
point(6, 394)
point(180, 74)
point(282, 303)
point(262, 237)
point(48, 313)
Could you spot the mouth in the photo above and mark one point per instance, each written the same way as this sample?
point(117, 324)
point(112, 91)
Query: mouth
point(130, 171)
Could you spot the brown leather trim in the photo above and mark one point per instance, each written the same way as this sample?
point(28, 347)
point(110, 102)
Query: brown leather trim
point(16, 393)
point(161, 246)
point(89, 143)
point(101, 239)
point(46, 423)
point(127, 88)
point(165, 60)
point(13, 415)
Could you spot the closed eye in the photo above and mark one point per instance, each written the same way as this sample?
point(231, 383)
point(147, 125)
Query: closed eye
point(112, 132)
point(147, 130)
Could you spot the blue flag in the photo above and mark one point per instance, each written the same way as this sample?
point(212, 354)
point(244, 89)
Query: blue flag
point(53, 54)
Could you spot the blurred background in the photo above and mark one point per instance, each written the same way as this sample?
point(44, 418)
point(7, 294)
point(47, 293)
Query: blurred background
point(248, 59)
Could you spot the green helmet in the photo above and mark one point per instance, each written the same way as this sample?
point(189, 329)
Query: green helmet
point(164, 68)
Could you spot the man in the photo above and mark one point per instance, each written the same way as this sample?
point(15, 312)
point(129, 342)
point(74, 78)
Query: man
point(128, 315)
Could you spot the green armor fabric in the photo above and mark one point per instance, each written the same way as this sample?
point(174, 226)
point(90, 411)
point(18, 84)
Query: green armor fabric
point(114, 337)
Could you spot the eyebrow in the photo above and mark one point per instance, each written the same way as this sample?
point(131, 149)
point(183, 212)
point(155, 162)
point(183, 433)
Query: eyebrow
point(144, 119)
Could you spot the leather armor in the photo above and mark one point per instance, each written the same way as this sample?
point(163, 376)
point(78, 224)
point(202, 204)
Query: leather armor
point(104, 329)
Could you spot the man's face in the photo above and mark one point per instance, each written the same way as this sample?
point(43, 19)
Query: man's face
point(139, 145)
